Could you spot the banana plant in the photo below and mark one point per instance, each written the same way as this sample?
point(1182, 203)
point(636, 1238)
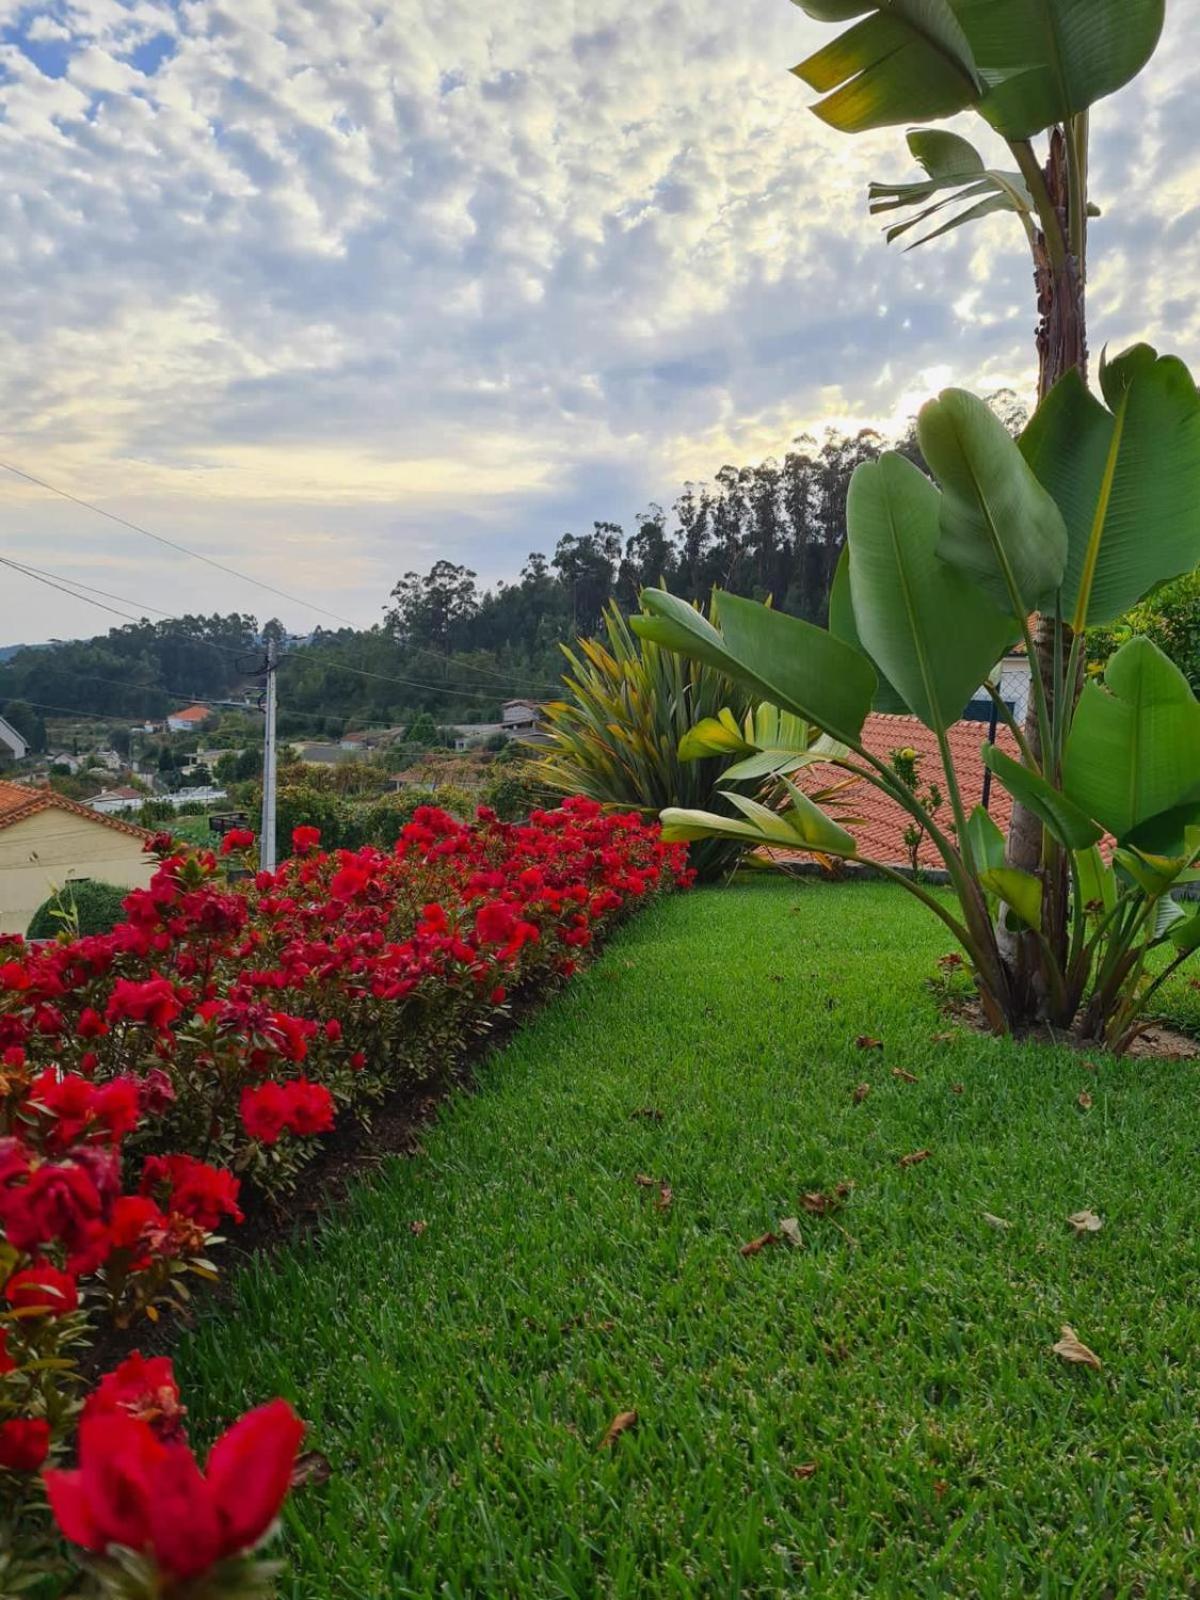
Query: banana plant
point(1027, 69)
point(1092, 508)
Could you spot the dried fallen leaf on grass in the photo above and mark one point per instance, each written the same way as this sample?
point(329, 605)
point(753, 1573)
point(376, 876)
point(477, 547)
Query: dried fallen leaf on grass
point(820, 1202)
point(1070, 1348)
point(621, 1423)
point(905, 1077)
point(648, 1113)
point(1085, 1222)
point(753, 1246)
point(789, 1229)
point(311, 1467)
point(861, 1093)
point(917, 1155)
point(995, 1222)
point(665, 1197)
point(956, 1088)
point(644, 1180)
point(951, 1036)
point(418, 1228)
point(868, 1041)
point(806, 1469)
point(1085, 1101)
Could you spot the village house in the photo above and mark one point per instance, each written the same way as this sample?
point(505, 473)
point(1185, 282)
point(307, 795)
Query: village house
point(13, 745)
point(47, 840)
point(189, 720)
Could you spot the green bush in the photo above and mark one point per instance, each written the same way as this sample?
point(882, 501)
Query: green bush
point(81, 907)
point(515, 788)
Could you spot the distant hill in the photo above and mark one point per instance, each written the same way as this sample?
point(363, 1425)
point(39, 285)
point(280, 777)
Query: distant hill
point(7, 651)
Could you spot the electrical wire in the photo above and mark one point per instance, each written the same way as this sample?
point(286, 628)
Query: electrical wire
point(173, 544)
point(221, 566)
point(41, 576)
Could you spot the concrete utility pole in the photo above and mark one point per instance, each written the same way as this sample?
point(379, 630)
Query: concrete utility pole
point(266, 842)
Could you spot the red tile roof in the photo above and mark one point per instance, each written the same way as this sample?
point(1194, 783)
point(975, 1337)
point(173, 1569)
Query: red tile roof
point(880, 834)
point(191, 714)
point(18, 801)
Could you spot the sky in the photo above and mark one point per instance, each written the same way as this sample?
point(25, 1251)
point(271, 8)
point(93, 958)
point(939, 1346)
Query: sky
point(331, 289)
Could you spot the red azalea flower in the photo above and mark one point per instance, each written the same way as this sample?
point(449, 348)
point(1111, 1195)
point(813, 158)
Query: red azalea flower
point(153, 1001)
point(305, 838)
point(24, 1443)
point(143, 1389)
point(43, 1289)
point(131, 1489)
point(236, 839)
point(193, 1188)
point(310, 1108)
point(265, 1111)
point(7, 1364)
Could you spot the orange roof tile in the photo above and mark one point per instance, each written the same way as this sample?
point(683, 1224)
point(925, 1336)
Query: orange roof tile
point(880, 834)
point(18, 801)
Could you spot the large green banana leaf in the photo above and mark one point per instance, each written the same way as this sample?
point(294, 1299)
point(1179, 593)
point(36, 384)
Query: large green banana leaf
point(952, 163)
point(999, 526)
point(801, 826)
point(791, 663)
point(1066, 822)
point(934, 634)
point(769, 741)
point(1024, 64)
point(1134, 747)
point(843, 626)
point(1126, 479)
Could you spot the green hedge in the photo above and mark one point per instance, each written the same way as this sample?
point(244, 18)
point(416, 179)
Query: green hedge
point(86, 905)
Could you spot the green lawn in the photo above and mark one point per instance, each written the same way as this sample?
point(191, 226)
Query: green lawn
point(460, 1379)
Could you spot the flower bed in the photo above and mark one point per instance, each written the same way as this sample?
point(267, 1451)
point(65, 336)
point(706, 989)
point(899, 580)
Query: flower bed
point(207, 1043)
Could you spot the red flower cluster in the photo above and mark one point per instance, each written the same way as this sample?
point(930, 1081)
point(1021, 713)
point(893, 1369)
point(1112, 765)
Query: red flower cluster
point(139, 1486)
point(217, 1029)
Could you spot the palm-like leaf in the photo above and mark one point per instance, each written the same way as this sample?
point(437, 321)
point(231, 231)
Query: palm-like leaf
point(955, 170)
point(616, 736)
point(1023, 64)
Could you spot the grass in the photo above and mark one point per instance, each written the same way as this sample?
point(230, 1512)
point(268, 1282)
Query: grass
point(460, 1379)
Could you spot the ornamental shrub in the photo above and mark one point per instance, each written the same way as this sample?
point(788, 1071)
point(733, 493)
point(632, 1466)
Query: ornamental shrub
point(155, 1075)
point(83, 906)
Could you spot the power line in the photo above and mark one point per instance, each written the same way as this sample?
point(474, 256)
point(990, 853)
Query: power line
point(173, 544)
point(40, 576)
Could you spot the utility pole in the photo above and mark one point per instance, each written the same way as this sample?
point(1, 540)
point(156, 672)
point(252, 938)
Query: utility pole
point(266, 843)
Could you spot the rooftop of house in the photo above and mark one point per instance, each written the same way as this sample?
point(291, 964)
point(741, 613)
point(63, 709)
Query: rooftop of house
point(18, 801)
point(195, 714)
point(880, 833)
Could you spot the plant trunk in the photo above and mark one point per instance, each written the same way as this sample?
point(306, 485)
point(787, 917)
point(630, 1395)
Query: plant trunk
point(1061, 345)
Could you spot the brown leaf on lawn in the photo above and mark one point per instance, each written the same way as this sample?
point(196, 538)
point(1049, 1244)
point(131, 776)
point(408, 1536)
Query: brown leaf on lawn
point(940, 1487)
point(665, 1197)
point(1089, 1066)
point(1085, 1222)
point(806, 1469)
point(418, 1228)
point(956, 1088)
point(861, 1093)
point(868, 1041)
point(951, 1036)
point(311, 1467)
point(905, 1077)
point(995, 1222)
point(648, 1113)
point(917, 1155)
point(820, 1202)
point(644, 1180)
point(753, 1246)
point(1085, 1101)
point(621, 1423)
point(1070, 1348)
point(789, 1229)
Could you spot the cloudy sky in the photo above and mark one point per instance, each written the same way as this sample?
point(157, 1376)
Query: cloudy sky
point(332, 288)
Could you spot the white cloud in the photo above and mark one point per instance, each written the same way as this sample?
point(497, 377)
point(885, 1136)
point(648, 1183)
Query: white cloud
point(407, 278)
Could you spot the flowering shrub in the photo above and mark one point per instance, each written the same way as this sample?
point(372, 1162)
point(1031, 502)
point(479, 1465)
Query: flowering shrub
point(206, 1043)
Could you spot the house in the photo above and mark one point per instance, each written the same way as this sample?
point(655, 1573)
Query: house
point(12, 743)
point(1012, 679)
point(315, 754)
point(66, 761)
point(47, 840)
point(189, 720)
point(112, 801)
point(881, 828)
point(108, 759)
point(520, 716)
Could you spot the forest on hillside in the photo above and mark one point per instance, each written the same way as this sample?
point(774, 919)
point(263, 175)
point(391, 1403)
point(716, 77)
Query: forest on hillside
point(447, 646)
